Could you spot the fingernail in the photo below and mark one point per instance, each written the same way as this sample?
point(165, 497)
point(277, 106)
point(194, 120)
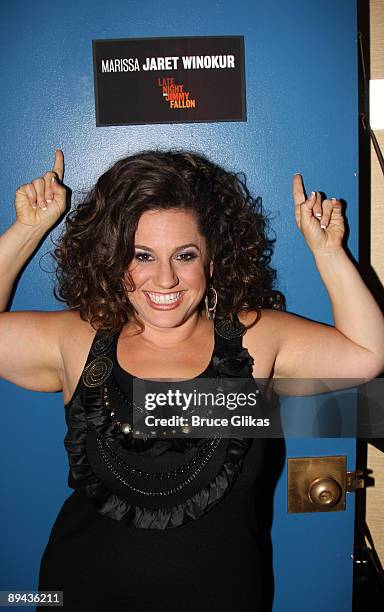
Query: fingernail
point(53, 179)
point(318, 215)
point(49, 201)
point(334, 199)
point(295, 173)
point(43, 206)
point(34, 205)
point(323, 226)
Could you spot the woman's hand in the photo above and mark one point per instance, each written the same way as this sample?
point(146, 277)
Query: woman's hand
point(321, 222)
point(41, 203)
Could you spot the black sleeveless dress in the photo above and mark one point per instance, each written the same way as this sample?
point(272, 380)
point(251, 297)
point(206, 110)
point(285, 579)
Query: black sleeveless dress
point(155, 524)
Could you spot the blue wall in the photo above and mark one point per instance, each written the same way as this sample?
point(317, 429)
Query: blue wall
point(302, 116)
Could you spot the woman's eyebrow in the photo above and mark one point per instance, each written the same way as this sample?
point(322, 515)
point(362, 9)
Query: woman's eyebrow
point(179, 248)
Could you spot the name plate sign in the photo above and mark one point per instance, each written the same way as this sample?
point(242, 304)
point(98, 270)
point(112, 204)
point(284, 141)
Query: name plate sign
point(169, 80)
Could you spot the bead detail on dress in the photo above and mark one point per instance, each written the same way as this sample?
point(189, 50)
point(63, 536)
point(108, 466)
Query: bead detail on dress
point(171, 491)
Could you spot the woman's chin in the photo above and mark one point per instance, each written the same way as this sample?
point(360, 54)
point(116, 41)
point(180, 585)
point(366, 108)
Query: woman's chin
point(164, 318)
point(164, 322)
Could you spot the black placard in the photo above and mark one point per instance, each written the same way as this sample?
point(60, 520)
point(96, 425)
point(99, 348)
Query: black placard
point(169, 80)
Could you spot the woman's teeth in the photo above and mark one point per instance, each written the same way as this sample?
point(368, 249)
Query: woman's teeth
point(170, 298)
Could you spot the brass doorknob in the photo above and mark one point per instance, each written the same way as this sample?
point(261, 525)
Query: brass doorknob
point(324, 492)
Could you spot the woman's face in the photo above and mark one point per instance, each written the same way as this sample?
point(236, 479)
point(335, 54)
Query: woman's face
point(168, 268)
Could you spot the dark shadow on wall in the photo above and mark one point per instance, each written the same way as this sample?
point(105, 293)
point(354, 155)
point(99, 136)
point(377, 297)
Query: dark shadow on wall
point(368, 583)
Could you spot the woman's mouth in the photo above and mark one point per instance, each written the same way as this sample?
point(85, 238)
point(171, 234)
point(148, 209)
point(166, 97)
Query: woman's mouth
point(164, 301)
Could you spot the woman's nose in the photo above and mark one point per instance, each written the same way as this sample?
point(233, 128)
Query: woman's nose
point(165, 275)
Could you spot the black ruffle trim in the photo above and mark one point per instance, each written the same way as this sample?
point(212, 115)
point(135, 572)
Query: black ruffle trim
point(118, 508)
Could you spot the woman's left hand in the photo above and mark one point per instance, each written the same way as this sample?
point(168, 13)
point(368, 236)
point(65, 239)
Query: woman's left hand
point(321, 222)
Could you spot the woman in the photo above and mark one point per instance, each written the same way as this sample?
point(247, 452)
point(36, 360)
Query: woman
point(164, 243)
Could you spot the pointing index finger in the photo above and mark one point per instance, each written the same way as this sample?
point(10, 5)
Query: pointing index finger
point(58, 166)
point(298, 189)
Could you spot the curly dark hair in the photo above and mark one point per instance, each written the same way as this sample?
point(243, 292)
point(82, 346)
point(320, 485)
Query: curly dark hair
point(97, 245)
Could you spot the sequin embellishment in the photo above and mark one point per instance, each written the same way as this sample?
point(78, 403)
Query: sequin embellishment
point(102, 345)
point(97, 371)
point(228, 329)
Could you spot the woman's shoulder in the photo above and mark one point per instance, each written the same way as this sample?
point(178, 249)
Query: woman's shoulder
point(76, 337)
point(270, 325)
point(69, 322)
point(74, 331)
point(262, 339)
point(265, 317)
point(261, 325)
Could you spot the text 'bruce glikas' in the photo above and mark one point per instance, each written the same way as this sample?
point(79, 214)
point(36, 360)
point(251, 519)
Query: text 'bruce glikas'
point(188, 62)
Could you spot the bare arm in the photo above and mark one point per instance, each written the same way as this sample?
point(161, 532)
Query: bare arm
point(29, 346)
point(354, 346)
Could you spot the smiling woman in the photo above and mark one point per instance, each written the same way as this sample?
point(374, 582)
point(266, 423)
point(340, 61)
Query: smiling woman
point(156, 270)
point(153, 216)
point(165, 271)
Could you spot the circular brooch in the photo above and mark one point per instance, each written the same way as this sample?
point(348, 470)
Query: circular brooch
point(97, 371)
point(102, 345)
point(228, 329)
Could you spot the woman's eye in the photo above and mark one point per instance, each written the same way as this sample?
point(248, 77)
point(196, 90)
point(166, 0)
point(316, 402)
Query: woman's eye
point(143, 257)
point(186, 256)
point(146, 257)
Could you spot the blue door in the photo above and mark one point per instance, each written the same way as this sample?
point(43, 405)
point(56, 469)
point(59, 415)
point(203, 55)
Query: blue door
point(302, 116)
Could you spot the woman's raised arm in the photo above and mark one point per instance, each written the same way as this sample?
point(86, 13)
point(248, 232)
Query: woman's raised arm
point(354, 346)
point(29, 346)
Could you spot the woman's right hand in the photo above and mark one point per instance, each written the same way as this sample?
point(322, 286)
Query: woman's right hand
point(41, 203)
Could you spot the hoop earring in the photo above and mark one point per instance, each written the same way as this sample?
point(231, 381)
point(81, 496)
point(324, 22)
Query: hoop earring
point(211, 310)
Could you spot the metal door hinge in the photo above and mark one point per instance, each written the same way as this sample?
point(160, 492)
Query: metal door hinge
point(359, 479)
